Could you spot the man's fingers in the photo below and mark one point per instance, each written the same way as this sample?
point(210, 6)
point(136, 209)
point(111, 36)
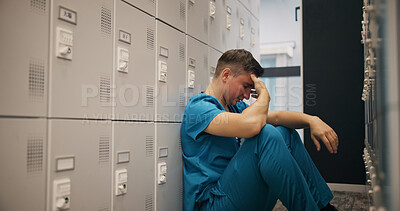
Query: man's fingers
point(316, 142)
point(332, 141)
point(327, 144)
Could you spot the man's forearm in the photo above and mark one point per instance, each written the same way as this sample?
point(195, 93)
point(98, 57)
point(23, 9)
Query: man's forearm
point(290, 119)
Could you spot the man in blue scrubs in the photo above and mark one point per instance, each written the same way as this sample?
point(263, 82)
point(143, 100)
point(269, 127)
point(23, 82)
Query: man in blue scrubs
point(240, 157)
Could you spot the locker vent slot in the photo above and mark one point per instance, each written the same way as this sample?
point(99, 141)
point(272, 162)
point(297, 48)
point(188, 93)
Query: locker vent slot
point(105, 89)
point(181, 52)
point(106, 20)
point(148, 202)
point(34, 154)
point(38, 6)
point(149, 146)
point(150, 39)
point(182, 97)
point(104, 149)
point(36, 80)
point(182, 10)
point(149, 96)
point(180, 144)
point(181, 193)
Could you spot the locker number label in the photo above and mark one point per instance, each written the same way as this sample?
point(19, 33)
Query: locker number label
point(67, 15)
point(124, 37)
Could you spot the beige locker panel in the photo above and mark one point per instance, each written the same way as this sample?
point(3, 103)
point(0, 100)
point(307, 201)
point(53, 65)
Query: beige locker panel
point(231, 26)
point(149, 6)
point(23, 164)
point(172, 12)
point(216, 24)
point(134, 75)
point(80, 151)
point(245, 3)
point(244, 27)
point(197, 73)
point(255, 38)
point(24, 57)
point(170, 73)
point(197, 19)
point(134, 141)
point(213, 56)
point(169, 192)
point(255, 8)
point(81, 59)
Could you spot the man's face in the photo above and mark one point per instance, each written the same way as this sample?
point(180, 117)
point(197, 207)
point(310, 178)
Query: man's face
point(238, 88)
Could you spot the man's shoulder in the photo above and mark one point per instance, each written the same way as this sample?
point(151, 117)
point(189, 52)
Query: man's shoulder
point(201, 98)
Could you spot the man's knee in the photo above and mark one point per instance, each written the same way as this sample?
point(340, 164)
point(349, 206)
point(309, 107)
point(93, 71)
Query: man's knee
point(267, 133)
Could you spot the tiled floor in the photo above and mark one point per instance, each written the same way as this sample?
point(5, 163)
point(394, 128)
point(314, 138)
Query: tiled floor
point(343, 201)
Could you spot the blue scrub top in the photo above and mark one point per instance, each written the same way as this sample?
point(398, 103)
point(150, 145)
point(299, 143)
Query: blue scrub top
point(205, 156)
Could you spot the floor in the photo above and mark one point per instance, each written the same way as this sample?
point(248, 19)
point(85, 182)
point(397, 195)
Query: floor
point(343, 201)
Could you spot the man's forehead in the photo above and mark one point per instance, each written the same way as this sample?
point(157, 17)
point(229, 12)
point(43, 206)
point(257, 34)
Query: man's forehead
point(246, 78)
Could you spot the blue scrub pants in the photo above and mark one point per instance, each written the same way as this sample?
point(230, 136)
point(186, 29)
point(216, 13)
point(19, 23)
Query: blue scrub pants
point(272, 165)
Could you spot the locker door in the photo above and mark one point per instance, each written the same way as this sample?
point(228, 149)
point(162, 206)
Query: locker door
point(231, 24)
point(169, 193)
point(197, 19)
point(80, 164)
point(23, 164)
point(134, 141)
point(148, 6)
point(254, 39)
point(244, 27)
point(81, 59)
point(24, 57)
point(172, 12)
point(216, 32)
point(197, 64)
point(134, 75)
point(170, 74)
point(255, 8)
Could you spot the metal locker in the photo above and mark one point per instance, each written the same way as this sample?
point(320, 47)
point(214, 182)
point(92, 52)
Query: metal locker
point(134, 75)
point(134, 152)
point(81, 59)
point(244, 27)
point(172, 12)
point(170, 74)
point(231, 24)
point(213, 56)
point(255, 37)
point(216, 25)
point(148, 6)
point(80, 165)
point(24, 57)
point(197, 19)
point(255, 8)
point(23, 164)
point(169, 167)
point(197, 73)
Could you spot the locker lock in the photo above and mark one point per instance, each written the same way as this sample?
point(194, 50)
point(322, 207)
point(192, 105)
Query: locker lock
point(64, 43)
point(121, 182)
point(162, 173)
point(61, 194)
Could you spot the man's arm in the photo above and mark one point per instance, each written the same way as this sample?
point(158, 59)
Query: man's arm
point(319, 129)
point(246, 124)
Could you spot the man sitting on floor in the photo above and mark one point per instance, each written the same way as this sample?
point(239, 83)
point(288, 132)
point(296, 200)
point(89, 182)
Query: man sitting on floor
point(240, 157)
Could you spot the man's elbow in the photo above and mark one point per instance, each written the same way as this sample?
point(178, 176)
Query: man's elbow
point(254, 129)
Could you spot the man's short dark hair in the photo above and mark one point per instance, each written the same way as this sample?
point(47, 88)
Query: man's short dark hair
point(237, 58)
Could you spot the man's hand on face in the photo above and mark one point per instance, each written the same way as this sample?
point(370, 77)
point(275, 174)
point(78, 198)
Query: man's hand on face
point(260, 88)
